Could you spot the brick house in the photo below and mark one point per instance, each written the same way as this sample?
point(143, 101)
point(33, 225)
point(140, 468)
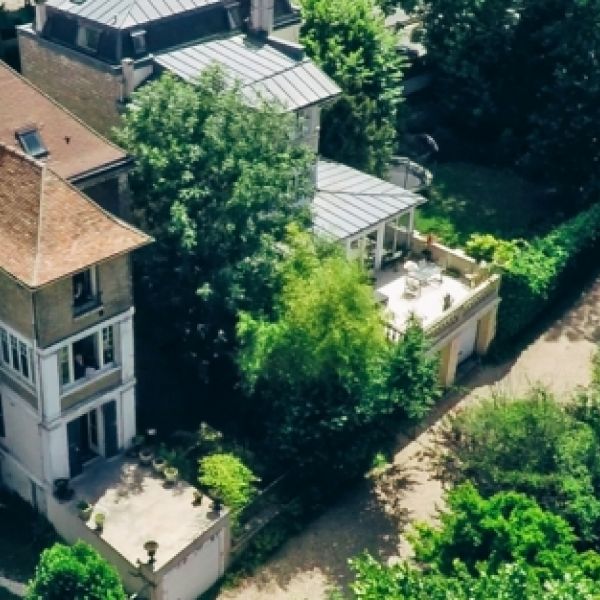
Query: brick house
point(47, 131)
point(67, 385)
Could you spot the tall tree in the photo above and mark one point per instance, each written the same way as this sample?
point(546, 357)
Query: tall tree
point(216, 182)
point(75, 572)
point(349, 40)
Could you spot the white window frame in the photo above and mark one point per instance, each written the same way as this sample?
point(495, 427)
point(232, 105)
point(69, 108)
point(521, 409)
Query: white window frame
point(139, 37)
point(102, 366)
point(22, 348)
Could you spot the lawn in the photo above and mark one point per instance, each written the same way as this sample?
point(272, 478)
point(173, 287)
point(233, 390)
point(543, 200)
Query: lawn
point(466, 198)
point(23, 536)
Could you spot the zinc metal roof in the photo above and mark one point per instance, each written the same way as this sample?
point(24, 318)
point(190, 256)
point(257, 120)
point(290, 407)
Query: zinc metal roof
point(349, 202)
point(262, 70)
point(122, 14)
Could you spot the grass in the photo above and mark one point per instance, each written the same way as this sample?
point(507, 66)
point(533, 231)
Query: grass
point(466, 198)
point(23, 536)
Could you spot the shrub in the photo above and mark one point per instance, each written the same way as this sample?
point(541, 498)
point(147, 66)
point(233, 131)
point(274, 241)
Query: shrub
point(228, 479)
point(75, 572)
point(539, 272)
point(534, 446)
point(491, 249)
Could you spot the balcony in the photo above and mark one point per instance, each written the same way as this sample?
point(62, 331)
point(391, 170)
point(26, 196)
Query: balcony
point(457, 289)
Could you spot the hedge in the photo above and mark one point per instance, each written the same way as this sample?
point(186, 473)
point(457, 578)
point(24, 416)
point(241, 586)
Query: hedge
point(539, 272)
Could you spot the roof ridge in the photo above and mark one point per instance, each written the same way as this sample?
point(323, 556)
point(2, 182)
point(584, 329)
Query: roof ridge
point(39, 225)
point(61, 107)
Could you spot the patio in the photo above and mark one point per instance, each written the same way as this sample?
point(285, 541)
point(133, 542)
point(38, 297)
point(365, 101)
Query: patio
point(139, 506)
point(427, 306)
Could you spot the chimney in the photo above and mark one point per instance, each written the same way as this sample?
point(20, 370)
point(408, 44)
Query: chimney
point(262, 16)
point(40, 15)
point(128, 69)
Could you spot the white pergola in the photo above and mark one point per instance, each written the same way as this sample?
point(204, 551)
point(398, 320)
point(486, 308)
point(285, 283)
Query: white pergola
point(355, 209)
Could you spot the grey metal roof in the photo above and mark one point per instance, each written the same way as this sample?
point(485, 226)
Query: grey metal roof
point(261, 69)
point(122, 14)
point(349, 202)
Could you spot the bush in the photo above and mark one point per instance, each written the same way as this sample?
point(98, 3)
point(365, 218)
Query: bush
point(537, 273)
point(75, 572)
point(228, 479)
point(534, 446)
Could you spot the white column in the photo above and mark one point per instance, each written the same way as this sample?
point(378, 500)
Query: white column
point(379, 246)
point(411, 227)
point(50, 386)
point(128, 417)
point(55, 452)
point(126, 341)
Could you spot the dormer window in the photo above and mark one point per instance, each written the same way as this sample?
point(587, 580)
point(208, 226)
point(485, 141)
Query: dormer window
point(31, 142)
point(85, 291)
point(138, 39)
point(88, 37)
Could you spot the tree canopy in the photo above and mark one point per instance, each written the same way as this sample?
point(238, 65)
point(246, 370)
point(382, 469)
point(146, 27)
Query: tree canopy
point(321, 370)
point(350, 42)
point(525, 73)
point(215, 182)
point(76, 572)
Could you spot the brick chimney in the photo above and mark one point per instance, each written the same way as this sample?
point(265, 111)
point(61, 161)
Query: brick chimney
point(262, 16)
point(40, 15)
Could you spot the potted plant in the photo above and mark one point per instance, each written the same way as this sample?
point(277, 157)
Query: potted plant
point(146, 455)
point(171, 474)
point(62, 491)
point(198, 495)
point(99, 519)
point(217, 505)
point(85, 510)
point(159, 464)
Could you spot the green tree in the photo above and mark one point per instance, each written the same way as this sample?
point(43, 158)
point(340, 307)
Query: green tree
point(75, 572)
point(317, 367)
point(535, 446)
point(215, 182)
point(348, 39)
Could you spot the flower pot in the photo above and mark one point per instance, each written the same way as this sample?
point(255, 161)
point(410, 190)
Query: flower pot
point(145, 456)
point(85, 511)
point(171, 474)
point(198, 495)
point(99, 519)
point(159, 464)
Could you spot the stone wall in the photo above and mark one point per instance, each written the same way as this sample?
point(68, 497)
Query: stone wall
point(87, 87)
point(54, 303)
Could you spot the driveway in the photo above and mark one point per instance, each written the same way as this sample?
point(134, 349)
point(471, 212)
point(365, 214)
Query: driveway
point(310, 563)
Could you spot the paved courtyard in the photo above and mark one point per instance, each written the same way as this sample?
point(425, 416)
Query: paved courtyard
point(310, 563)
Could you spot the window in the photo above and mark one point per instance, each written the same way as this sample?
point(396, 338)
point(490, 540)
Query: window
point(2, 426)
point(234, 16)
point(16, 354)
point(31, 142)
point(83, 358)
point(85, 288)
point(4, 345)
point(88, 37)
point(138, 39)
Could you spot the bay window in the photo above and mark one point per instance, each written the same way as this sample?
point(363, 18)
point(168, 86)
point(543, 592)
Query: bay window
point(17, 355)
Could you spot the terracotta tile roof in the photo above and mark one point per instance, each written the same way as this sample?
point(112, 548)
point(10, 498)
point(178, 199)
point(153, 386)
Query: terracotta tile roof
point(48, 228)
point(23, 105)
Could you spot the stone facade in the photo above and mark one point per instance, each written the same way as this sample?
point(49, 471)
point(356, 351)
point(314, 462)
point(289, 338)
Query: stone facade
point(54, 303)
point(87, 87)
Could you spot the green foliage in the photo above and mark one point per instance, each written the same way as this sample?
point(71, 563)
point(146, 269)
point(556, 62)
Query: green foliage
point(508, 527)
point(76, 572)
point(374, 581)
point(350, 42)
point(413, 374)
point(507, 71)
point(534, 446)
point(487, 247)
point(322, 374)
point(537, 273)
point(228, 479)
point(213, 184)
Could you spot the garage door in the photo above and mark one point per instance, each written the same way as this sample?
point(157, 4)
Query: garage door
point(195, 573)
point(466, 342)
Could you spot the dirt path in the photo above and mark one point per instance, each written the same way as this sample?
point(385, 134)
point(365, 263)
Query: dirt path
point(310, 563)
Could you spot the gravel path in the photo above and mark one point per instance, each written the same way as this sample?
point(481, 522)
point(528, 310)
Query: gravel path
point(310, 563)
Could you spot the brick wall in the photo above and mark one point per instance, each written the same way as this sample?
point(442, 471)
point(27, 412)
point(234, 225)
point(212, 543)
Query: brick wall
point(85, 86)
point(54, 303)
point(15, 306)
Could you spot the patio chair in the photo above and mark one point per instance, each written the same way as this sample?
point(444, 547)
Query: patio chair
point(412, 288)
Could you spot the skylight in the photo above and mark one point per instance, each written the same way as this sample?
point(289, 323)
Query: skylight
point(31, 142)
